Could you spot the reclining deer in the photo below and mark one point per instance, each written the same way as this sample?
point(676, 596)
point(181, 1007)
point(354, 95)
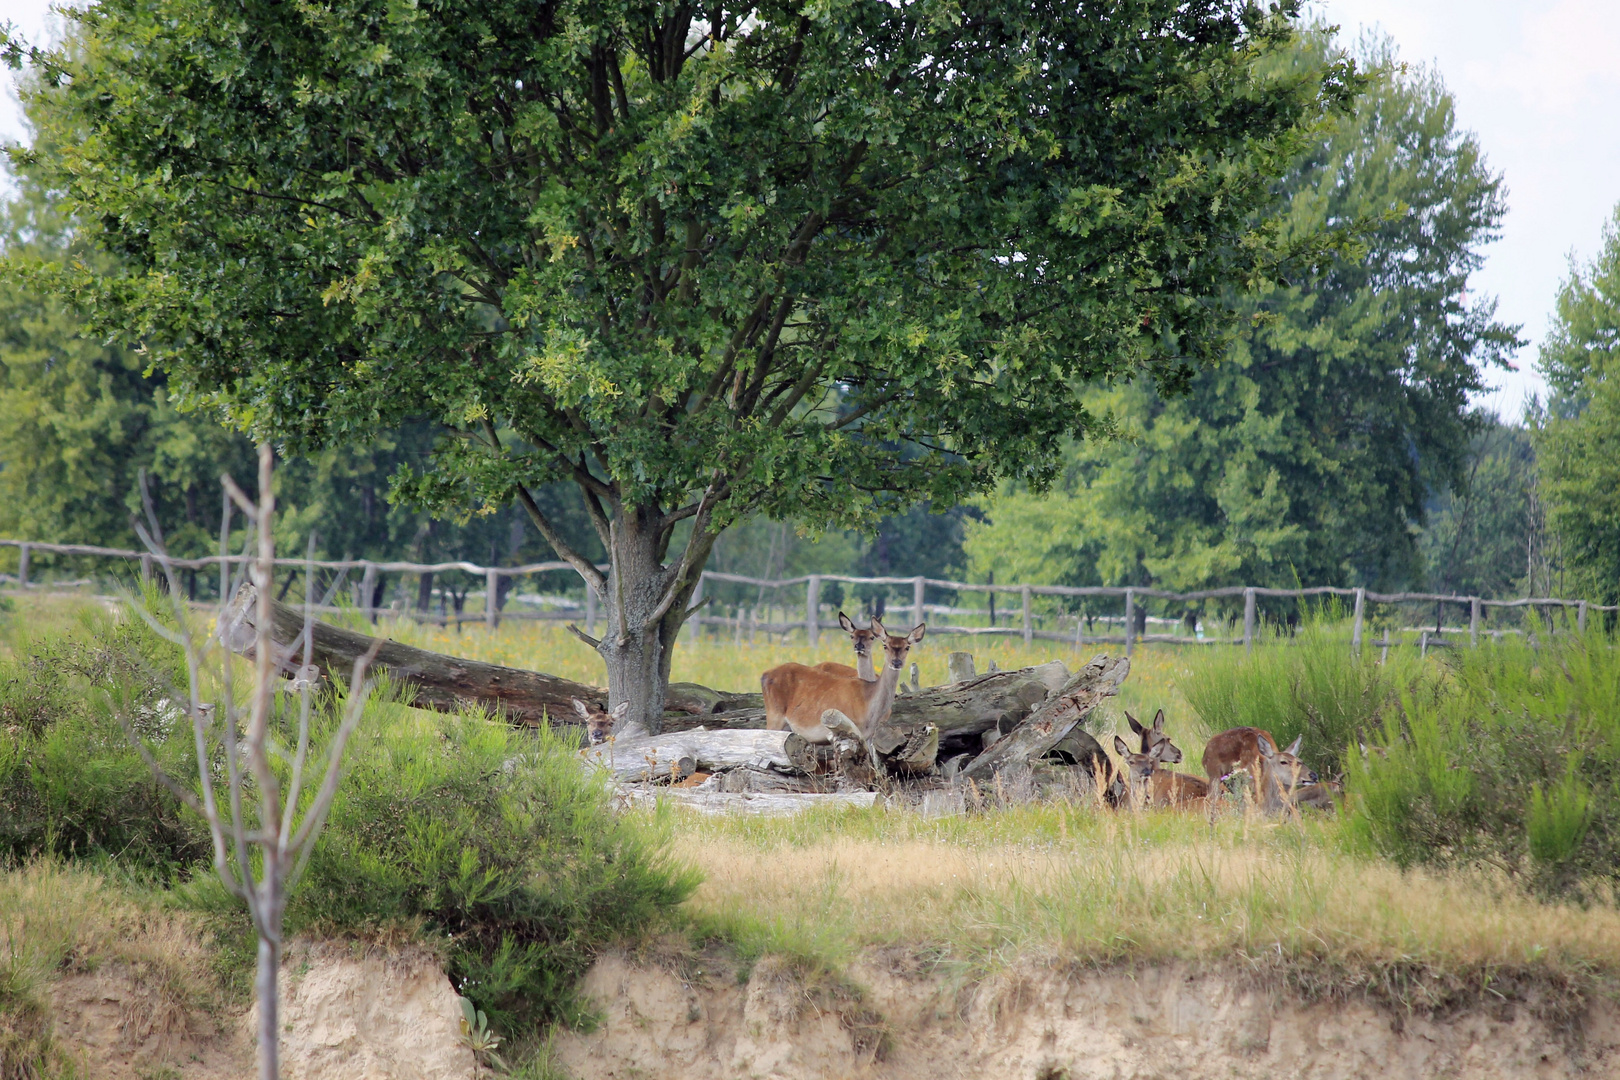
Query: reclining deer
point(818, 705)
point(1155, 736)
point(1148, 785)
point(1276, 772)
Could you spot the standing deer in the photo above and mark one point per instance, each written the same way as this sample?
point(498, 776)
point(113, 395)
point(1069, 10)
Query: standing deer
point(1155, 736)
point(1148, 785)
point(815, 703)
point(863, 653)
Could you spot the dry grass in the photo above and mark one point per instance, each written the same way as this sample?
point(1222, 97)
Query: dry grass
point(1073, 885)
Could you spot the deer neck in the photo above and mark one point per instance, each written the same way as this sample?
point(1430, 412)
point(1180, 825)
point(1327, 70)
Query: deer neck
point(864, 669)
point(880, 695)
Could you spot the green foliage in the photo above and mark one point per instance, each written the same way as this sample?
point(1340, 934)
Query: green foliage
point(1478, 532)
point(494, 838)
point(70, 783)
point(1513, 761)
point(1578, 440)
point(1312, 685)
point(1310, 453)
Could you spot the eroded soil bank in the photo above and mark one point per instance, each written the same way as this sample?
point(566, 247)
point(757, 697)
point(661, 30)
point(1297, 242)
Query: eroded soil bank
point(697, 1019)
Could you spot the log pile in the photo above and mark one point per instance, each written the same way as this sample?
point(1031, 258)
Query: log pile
point(998, 737)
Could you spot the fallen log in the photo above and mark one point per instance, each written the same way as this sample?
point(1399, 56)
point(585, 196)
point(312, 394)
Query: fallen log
point(746, 802)
point(680, 754)
point(445, 683)
point(1047, 725)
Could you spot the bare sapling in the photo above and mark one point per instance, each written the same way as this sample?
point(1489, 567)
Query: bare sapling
point(254, 820)
point(862, 640)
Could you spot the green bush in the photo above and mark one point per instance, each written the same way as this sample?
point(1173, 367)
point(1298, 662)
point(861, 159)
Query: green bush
point(70, 783)
point(1313, 684)
point(1513, 762)
point(495, 838)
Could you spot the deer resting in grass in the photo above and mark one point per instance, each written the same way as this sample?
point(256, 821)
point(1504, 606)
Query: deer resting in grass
point(1155, 736)
point(817, 705)
point(863, 653)
point(599, 721)
point(1276, 772)
point(1148, 785)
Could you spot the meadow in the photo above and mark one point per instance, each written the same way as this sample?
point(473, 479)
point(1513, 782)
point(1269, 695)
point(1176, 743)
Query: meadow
point(1458, 869)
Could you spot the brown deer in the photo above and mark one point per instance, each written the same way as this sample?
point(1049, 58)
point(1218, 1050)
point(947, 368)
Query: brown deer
point(1148, 785)
point(599, 721)
point(815, 703)
point(863, 653)
point(1155, 736)
point(1276, 772)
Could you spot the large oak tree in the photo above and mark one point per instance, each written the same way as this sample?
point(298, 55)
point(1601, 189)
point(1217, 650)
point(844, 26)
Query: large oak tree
point(813, 260)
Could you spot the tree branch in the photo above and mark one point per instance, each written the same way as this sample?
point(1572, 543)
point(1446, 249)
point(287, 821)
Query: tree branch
point(594, 643)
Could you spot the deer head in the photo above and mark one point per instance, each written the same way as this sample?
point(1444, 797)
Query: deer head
point(599, 721)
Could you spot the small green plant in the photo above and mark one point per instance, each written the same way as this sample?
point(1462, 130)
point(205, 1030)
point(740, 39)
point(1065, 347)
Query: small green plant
point(476, 1034)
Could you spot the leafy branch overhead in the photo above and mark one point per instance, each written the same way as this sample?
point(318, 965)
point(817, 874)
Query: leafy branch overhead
point(700, 262)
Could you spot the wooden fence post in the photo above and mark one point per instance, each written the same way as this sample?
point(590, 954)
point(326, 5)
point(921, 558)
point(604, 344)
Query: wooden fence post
point(1360, 617)
point(1474, 607)
point(920, 616)
point(1580, 617)
point(590, 609)
point(1248, 619)
point(492, 590)
point(1029, 624)
point(146, 569)
point(23, 554)
point(1130, 621)
point(368, 591)
point(812, 609)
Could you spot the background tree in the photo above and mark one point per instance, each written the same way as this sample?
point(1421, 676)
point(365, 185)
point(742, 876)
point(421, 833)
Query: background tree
point(699, 261)
point(1310, 453)
point(1478, 534)
point(1578, 436)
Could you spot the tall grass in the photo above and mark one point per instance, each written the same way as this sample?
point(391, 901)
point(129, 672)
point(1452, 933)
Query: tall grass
point(1315, 686)
point(1514, 762)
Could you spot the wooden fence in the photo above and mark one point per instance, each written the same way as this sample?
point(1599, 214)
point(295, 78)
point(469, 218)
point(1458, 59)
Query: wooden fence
point(813, 622)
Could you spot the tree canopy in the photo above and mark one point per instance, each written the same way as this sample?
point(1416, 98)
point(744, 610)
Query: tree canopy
point(1578, 438)
point(1310, 453)
point(699, 261)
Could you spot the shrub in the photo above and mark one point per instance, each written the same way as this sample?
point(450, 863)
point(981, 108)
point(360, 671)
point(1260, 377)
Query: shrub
point(495, 838)
point(70, 783)
point(1313, 685)
point(1515, 762)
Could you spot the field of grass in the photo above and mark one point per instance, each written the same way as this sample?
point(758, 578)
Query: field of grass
point(1072, 885)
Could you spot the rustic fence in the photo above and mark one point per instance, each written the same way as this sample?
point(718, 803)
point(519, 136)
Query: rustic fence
point(814, 618)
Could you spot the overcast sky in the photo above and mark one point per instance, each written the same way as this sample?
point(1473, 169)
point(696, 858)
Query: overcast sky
point(1537, 80)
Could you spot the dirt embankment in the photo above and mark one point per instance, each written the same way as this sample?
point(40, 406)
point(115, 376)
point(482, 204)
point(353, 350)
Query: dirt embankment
point(360, 1013)
point(696, 1019)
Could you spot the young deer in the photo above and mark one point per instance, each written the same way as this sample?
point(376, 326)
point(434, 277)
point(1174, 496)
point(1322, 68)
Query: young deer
point(863, 653)
point(1148, 785)
point(1155, 736)
point(815, 703)
point(599, 721)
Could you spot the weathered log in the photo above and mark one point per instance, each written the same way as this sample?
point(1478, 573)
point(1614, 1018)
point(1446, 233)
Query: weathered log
point(1054, 719)
point(448, 683)
point(711, 751)
point(746, 802)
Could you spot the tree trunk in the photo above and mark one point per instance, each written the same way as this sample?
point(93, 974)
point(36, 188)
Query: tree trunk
point(638, 646)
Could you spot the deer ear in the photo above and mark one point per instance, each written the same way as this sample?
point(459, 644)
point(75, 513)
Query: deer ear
point(1267, 751)
point(844, 621)
point(1158, 720)
point(1121, 747)
point(1293, 747)
point(580, 707)
point(1135, 727)
point(620, 711)
point(917, 633)
point(877, 624)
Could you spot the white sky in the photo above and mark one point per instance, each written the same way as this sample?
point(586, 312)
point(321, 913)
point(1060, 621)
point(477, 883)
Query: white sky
point(1537, 80)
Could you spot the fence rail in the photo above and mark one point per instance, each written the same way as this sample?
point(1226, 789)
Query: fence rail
point(813, 624)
